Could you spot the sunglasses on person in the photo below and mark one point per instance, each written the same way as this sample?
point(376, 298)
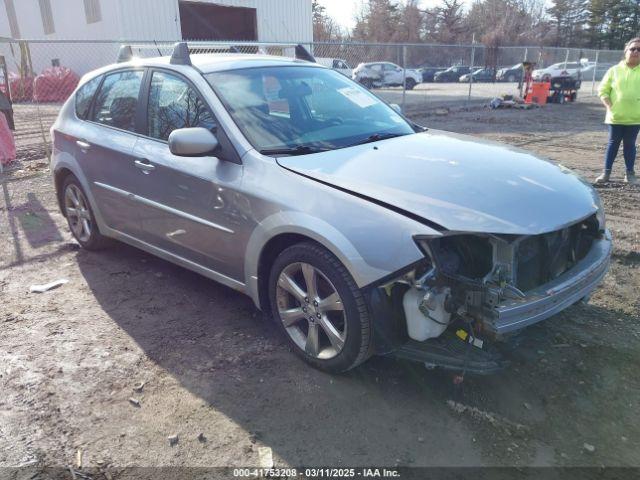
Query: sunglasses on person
point(634, 49)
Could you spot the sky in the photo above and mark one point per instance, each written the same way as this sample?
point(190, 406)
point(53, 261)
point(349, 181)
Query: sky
point(343, 11)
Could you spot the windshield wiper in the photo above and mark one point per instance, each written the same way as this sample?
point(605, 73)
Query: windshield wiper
point(376, 137)
point(299, 150)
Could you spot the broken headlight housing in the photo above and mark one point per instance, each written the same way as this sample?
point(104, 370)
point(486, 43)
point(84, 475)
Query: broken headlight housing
point(467, 256)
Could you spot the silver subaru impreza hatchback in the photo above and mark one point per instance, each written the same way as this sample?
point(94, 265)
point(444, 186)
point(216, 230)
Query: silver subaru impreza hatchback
point(360, 232)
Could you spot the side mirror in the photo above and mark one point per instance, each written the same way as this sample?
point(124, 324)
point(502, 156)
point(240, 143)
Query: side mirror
point(192, 142)
point(396, 107)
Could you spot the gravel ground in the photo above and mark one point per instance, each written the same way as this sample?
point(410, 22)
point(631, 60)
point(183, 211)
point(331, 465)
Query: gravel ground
point(211, 364)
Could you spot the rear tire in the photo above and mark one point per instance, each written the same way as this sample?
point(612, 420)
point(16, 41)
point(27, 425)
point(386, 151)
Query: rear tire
point(410, 83)
point(367, 83)
point(80, 217)
point(319, 308)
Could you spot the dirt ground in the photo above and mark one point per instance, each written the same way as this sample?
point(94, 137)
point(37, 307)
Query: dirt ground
point(211, 364)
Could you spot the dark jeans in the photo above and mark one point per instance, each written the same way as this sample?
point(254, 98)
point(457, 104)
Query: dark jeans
point(626, 134)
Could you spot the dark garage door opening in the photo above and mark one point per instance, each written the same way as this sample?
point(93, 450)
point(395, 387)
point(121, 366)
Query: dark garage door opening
point(206, 21)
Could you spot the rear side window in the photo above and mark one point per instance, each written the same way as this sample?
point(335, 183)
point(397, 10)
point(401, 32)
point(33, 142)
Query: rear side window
point(85, 95)
point(174, 104)
point(117, 100)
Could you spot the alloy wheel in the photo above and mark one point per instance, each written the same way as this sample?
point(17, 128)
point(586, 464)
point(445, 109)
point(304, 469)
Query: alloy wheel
point(77, 209)
point(311, 311)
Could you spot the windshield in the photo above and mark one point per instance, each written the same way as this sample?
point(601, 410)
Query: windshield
point(280, 108)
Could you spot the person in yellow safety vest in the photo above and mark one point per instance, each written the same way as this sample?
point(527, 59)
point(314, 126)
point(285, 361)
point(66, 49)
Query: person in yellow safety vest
point(620, 94)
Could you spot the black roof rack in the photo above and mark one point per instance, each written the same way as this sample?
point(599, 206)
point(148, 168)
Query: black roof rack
point(180, 54)
point(125, 54)
point(303, 54)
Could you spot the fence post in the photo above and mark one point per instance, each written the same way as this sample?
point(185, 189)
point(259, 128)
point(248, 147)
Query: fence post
point(566, 59)
point(595, 69)
point(35, 100)
point(521, 79)
point(473, 59)
point(404, 77)
point(5, 74)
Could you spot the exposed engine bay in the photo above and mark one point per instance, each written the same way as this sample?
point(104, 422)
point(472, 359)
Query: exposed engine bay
point(479, 289)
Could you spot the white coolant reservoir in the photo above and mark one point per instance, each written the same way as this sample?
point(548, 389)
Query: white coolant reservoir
point(425, 313)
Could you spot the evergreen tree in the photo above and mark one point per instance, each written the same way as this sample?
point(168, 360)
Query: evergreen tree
point(570, 18)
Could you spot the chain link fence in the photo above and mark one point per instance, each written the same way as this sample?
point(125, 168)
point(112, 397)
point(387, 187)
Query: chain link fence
point(38, 75)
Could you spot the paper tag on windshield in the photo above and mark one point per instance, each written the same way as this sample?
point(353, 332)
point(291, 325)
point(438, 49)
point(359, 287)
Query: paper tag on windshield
point(358, 97)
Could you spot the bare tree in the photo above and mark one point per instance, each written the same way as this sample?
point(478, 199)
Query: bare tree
point(325, 28)
point(445, 24)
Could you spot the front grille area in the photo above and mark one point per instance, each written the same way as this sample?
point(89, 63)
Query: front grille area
point(542, 258)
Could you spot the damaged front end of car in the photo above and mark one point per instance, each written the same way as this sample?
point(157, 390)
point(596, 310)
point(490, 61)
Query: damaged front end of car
point(472, 292)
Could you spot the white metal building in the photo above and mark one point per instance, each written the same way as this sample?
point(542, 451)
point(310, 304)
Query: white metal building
point(284, 21)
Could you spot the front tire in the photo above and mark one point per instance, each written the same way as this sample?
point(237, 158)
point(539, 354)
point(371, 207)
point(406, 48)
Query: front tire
point(80, 217)
point(320, 309)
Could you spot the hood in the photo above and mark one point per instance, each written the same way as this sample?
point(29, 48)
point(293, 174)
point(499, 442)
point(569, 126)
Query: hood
point(461, 183)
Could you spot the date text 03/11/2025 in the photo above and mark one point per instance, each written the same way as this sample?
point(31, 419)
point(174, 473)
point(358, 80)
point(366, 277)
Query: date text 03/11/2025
point(316, 472)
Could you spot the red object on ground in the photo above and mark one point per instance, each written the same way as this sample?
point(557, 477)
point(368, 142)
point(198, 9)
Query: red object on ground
point(538, 93)
point(21, 88)
point(55, 84)
point(7, 143)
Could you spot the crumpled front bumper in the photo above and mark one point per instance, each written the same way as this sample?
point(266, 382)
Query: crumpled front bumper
point(553, 297)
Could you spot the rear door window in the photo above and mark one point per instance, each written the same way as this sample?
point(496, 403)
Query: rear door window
point(174, 104)
point(85, 95)
point(117, 102)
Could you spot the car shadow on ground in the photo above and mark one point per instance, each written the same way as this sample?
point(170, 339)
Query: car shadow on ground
point(221, 349)
point(37, 225)
point(33, 220)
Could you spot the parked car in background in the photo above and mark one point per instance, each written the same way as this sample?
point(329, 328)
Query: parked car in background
point(510, 74)
point(429, 72)
point(451, 74)
point(337, 64)
point(385, 74)
point(568, 69)
point(600, 71)
point(357, 231)
point(479, 75)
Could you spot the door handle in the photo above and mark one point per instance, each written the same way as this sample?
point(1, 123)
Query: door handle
point(144, 166)
point(83, 145)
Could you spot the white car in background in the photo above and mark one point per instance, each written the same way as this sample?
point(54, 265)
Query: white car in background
point(385, 74)
point(563, 69)
point(337, 64)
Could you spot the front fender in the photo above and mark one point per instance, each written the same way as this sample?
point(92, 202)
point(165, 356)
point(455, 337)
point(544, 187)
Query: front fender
point(314, 228)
